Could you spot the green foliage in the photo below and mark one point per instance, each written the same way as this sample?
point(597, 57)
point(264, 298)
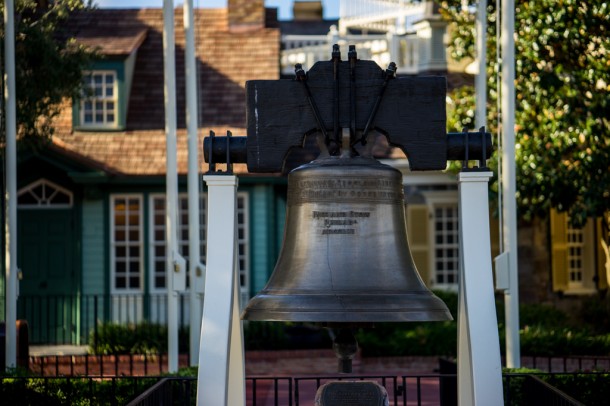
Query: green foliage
point(562, 95)
point(595, 312)
point(48, 64)
point(392, 339)
point(143, 338)
point(401, 339)
point(547, 341)
point(545, 331)
point(542, 315)
point(590, 389)
point(70, 391)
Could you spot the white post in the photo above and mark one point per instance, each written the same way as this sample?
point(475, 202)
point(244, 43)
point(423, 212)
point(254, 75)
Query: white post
point(480, 83)
point(195, 268)
point(509, 206)
point(479, 363)
point(220, 381)
point(171, 183)
point(10, 100)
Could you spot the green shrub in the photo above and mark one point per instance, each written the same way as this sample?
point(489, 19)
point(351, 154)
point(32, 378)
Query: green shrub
point(546, 332)
point(590, 389)
point(563, 341)
point(542, 315)
point(595, 312)
point(393, 339)
point(70, 391)
point(142, 338)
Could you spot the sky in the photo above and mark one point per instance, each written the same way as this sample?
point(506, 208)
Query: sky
point(331, 7)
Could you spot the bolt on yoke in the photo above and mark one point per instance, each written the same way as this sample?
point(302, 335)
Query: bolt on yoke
point(354, 95)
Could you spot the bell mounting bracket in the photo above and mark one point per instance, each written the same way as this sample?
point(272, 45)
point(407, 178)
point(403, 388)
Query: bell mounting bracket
point(356, 94)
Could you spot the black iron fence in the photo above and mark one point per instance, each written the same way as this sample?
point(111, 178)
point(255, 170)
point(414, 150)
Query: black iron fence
point(406, 390)
point(156, 364)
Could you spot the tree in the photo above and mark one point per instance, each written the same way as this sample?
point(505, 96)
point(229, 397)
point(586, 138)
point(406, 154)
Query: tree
point(562, 91)
point(48, 64)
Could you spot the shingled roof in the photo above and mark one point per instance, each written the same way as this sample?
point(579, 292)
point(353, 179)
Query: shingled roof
point(227, 57)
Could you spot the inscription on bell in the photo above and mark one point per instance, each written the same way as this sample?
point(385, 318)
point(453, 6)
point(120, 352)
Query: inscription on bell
point(344, 190)
point(339, 222)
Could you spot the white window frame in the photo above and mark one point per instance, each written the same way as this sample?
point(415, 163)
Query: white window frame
point(103, 99)
point(434, 200)
point(114, 244)
point(586, 258)
point(243, 238)
point(50, 191)
point(182, 232)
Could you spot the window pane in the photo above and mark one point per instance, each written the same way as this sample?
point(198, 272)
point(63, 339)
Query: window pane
point(119, 235)
point(134, 282)
point(119, 219)
point(134, 219)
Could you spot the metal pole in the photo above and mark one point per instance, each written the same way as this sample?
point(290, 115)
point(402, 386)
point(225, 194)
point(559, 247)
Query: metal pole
point(509, 212)
point(171, 183)
point(481, 78)
point(195, 268)
point(11, 184)
point(479, 363)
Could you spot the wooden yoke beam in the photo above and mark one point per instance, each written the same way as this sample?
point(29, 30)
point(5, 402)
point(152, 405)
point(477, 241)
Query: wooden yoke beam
point(411, 113)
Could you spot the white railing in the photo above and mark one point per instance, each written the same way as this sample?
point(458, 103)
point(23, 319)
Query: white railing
point(380, 15)
point(308, 50)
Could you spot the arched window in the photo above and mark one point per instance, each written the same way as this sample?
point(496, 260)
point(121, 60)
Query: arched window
point(44, 194)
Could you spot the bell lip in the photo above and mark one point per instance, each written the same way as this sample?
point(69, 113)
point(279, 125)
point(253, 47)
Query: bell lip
point(346, 308)
point(347, 317)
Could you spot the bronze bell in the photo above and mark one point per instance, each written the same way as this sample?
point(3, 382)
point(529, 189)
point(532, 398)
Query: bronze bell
point(345, 256)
